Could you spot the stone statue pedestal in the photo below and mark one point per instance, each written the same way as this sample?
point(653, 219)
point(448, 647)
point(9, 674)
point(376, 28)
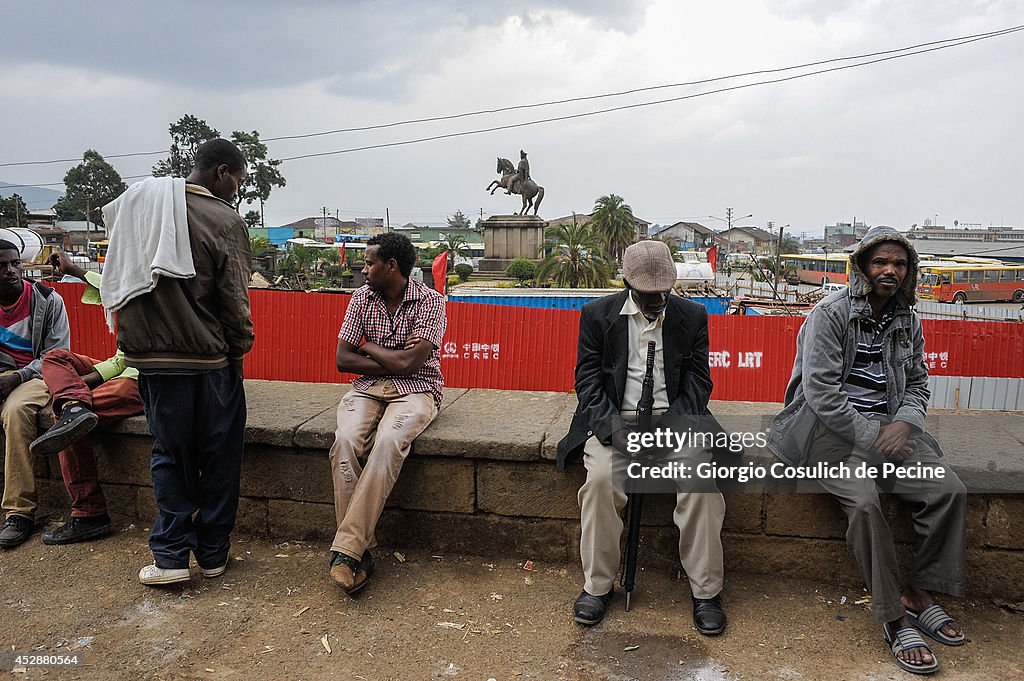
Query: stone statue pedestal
point(507, 237)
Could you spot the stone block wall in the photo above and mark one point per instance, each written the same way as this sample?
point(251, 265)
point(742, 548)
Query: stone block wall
point(482, 480)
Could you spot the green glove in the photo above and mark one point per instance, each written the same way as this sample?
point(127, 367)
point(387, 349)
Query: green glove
point(111, 368)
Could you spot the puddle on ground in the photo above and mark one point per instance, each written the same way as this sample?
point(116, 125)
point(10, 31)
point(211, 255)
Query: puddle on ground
point(656, 658)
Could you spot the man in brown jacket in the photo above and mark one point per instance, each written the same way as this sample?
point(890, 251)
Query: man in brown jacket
point(187, 337)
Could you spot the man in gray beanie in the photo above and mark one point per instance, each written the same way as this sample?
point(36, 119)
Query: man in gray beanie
point(858, 396)
point(615, 332)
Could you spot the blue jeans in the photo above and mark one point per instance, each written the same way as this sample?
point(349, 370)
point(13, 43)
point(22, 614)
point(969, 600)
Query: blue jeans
point(198, 421)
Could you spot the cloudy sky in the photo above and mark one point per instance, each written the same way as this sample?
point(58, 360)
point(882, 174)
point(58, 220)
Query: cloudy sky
point(934, 136)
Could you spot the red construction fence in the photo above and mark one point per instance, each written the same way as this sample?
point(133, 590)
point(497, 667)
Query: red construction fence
point(513, 348)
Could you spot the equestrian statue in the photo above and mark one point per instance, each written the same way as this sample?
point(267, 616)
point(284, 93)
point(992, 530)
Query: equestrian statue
point(516, 180)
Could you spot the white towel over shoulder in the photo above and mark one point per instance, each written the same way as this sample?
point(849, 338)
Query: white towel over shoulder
point(148, 227)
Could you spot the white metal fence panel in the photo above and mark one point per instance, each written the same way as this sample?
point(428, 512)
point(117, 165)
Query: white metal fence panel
point(929, 309)
point(976, 392)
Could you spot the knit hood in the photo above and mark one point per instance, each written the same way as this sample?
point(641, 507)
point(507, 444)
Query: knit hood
point(859, 284)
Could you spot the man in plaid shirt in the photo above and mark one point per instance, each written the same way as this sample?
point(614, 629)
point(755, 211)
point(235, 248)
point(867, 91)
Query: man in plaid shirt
point(391, 336)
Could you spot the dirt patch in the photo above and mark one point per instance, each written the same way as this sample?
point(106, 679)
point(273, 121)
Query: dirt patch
point(440, 617)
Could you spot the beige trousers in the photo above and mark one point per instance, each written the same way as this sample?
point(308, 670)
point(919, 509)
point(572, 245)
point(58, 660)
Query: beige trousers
point(18, 415)
point(376, 428)
point(698, 515)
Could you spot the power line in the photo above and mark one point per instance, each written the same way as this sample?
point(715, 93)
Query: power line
point(931, 44)
point(645, 104)
point(650, 88)
point(61, 184)
point(72, 160)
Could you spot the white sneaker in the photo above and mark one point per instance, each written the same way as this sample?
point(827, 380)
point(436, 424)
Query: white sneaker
point(216, 571)
point(152, 575)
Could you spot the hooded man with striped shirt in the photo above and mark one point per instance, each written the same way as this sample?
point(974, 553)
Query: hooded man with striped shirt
point(858, 395)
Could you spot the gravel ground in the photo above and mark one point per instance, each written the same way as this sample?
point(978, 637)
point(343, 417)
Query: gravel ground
point(274, 615)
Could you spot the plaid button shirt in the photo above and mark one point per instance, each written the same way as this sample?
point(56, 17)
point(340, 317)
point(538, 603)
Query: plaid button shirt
point(421, 313)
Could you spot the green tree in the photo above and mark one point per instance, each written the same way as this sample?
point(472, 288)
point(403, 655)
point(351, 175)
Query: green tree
point(464, 271)
point(13, 211)
point(186, 136)
point(612, 219)
point(790, 245)
point(252, 218)
point(260, 246)
point(521, 270)
point(88, 186)
point(263, 172)
point(459, 221)
point(330, 256)
point(456, 246)
point(577, 258)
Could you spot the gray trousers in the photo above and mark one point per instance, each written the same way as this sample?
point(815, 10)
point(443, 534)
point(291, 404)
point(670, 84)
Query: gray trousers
point(939, 508)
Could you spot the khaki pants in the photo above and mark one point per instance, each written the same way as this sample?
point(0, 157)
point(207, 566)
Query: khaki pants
point(939, 509)
point(698, 515)
point(18, 415)
point(376, 428)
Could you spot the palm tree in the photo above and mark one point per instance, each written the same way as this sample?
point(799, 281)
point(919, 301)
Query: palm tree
point(330, 256)
point(613, 221)
point(577, 258)
point(457, 247)
point(673, 246)
point(260, 246)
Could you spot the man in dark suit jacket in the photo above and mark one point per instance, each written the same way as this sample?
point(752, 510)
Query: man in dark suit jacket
point(613, 339)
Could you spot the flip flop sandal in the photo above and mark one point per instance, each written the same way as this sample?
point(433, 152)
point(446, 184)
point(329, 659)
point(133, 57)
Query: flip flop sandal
point(905, 639)
point(931, 620)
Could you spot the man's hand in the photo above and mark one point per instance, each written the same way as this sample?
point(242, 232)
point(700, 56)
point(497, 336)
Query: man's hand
point(412, 342)
point(7, 385)
point(620, 441)
point(893, 441)
point(59, 261)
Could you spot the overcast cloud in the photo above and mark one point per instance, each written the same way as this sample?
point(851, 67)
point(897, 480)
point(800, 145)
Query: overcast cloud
point(935, 135)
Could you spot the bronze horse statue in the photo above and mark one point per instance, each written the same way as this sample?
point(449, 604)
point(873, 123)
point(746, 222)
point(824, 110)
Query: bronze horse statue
point(527, 189)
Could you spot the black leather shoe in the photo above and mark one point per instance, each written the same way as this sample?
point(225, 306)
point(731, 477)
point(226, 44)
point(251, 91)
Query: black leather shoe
point(708, 615)
point(16, 531)
point(589, 610)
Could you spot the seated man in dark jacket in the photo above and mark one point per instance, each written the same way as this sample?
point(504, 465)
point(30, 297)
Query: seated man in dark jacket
point(610, 366)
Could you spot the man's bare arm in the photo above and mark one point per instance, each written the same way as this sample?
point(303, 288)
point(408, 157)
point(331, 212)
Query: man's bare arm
point(404, 362)
point(349, 359)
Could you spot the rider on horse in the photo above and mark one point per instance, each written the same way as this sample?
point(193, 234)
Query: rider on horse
point(522, 172)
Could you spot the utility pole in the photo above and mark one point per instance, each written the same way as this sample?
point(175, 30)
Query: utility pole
point(778, 252)
point(387, 218)
point(728, 220)
point(325, 224)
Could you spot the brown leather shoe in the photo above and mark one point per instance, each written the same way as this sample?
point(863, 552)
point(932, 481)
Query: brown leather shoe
point(350, 574)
